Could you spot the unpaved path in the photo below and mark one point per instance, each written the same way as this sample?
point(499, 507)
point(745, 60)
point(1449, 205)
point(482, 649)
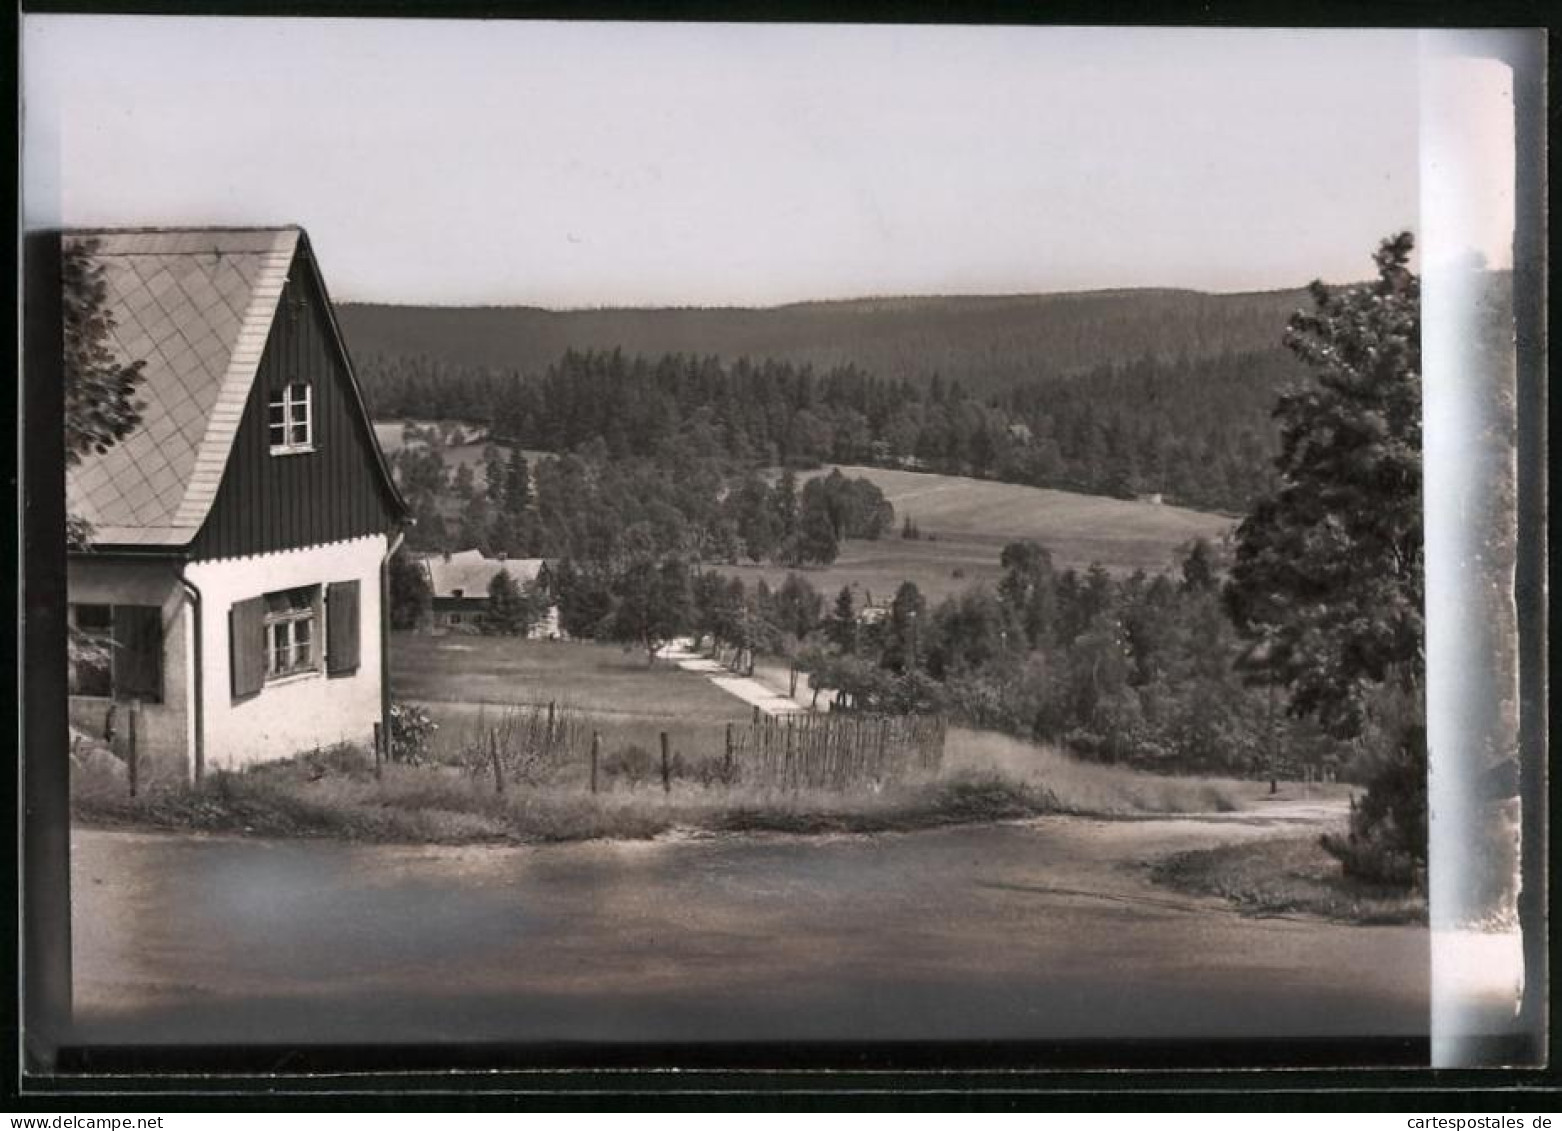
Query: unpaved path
point(751, 691)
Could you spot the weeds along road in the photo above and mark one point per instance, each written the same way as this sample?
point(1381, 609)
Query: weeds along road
point(1037, 930)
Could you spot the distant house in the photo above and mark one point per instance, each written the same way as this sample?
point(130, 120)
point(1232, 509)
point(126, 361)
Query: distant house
point(446, 433)
point(240, 532)
point(871, 614)
point(459, 584)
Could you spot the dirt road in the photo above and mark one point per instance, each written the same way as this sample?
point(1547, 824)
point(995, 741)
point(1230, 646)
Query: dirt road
point(1039, 930)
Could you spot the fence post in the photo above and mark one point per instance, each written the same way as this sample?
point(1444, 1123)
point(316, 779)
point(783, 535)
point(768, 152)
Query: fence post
point(667, 781)
point(551, 704)
point(493, 751)
point(596, 751)
point(379, 737)
point(756, 714)
point(726, 766)
point(134, 767)
point(789, 764)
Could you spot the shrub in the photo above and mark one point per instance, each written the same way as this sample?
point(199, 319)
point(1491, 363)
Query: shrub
point(1387, 839)
point(412, 729)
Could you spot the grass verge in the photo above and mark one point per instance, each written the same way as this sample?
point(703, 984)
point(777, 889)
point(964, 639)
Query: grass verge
point(335, 794)
point(444, 805)
point(1287, 875)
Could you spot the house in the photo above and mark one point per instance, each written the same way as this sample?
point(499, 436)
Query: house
point(459, 585)
point(240, 533)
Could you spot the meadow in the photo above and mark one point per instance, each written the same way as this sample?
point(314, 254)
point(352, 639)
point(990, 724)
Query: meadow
point(965, 523)
point(466, 682)
point(388, 433)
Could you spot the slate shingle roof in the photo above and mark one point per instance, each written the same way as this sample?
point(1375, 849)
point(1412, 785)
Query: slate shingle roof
point(197, 306)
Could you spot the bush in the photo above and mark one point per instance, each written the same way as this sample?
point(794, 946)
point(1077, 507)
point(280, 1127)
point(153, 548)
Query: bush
point(412, 729)
point(1387, 839)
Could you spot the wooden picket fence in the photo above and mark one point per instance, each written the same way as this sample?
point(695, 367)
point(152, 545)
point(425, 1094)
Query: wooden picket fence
point(838, 750)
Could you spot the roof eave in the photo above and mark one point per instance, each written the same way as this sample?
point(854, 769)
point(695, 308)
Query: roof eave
point(398, 501)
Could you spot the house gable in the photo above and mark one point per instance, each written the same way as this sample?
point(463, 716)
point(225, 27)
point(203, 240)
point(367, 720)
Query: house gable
point(339, 489)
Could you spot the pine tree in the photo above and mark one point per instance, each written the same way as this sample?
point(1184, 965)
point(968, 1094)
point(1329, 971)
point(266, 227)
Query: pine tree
point(507, 613)
point(1198, 567)
point(1328, 569)
point(842, 627)
point(517, 483)
point(494, 474)
point(904, 648)
point(1327, 582)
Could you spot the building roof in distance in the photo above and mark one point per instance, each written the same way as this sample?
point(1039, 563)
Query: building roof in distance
point(468, 573)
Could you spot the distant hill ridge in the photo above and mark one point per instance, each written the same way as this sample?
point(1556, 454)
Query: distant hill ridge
point(983, 341)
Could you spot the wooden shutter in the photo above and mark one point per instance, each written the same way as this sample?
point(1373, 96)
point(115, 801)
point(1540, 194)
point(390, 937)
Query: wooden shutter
point(342, 628)
point(247, 646)
point(138, 653)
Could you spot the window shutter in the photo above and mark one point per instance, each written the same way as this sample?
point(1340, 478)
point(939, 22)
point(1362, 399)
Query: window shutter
point(342, 631)
point(138, 653)
point(247, 646)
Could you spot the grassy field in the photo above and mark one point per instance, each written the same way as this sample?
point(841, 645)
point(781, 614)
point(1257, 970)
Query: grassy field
point(388, 433)
point(965, 524)
point(465, 680)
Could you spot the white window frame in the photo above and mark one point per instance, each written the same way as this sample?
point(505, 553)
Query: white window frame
point(297, 412)
point(281, 636)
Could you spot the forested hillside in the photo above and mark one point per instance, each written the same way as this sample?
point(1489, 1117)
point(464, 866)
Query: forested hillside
point(983, 343)
point(1196, 432)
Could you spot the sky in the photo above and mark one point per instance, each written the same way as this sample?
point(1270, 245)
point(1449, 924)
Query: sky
point(573, 165)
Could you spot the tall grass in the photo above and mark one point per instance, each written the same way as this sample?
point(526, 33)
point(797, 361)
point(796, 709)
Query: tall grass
point(546, 795)
point(1084, 787)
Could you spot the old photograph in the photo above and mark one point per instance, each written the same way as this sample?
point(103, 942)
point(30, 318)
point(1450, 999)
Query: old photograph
point(693, 534)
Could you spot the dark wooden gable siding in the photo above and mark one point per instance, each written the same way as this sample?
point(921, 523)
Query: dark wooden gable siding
point(338, 491)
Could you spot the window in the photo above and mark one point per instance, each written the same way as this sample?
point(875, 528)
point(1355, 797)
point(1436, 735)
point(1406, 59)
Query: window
point(124, 646)
point(294, 632)
point(92, 673)
point(292, 636)
point(291, 421)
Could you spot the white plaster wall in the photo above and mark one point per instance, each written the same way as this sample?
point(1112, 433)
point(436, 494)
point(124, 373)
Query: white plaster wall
point(301, 713)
